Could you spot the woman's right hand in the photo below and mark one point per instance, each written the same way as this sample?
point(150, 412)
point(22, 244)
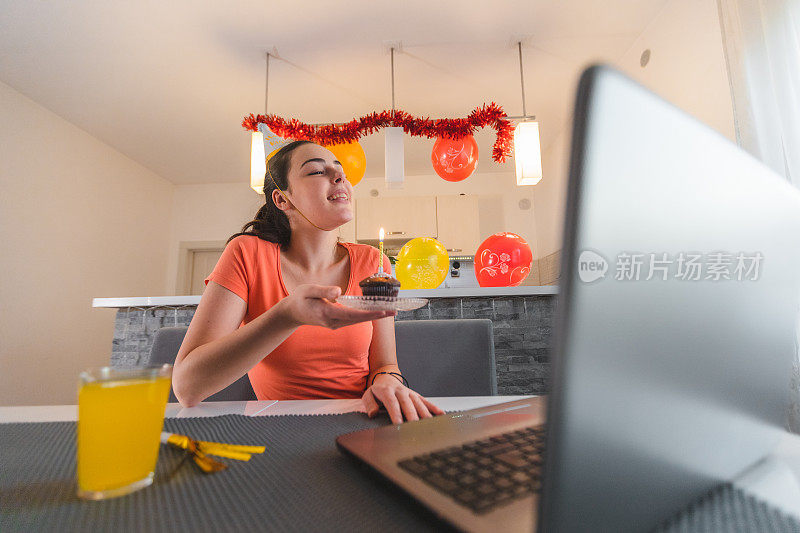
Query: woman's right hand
point(314, 305)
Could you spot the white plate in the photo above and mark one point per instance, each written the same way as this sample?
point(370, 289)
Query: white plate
point(382, 303)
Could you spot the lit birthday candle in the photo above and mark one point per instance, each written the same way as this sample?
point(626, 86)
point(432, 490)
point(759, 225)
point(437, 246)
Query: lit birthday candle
point(381, 234)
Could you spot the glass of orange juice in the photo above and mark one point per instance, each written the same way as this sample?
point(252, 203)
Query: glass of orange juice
point(120, 415)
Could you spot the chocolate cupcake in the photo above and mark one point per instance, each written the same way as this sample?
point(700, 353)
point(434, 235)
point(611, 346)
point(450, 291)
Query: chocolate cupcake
point(379, 284)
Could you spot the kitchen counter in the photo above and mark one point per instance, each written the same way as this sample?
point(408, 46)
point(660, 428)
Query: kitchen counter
point(521, 317)
point(456, 292)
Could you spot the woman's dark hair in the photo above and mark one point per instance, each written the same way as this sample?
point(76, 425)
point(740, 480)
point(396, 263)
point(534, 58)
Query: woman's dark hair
point(271, 224)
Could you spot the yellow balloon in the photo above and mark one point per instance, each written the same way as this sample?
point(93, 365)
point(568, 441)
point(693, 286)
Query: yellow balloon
point(352, 158)
point(422, 263)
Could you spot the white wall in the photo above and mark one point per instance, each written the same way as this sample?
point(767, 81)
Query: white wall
point(550, 196)
point(78, 220)
point(686, 67)
point(210, 212)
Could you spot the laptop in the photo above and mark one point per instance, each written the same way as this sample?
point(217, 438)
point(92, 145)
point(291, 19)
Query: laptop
point(674, 338)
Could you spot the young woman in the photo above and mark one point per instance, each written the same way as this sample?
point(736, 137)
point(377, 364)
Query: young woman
point(268, 308)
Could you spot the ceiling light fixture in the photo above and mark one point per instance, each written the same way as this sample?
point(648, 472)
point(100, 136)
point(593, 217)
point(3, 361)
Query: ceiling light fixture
point(527, 146)
point(258, 159)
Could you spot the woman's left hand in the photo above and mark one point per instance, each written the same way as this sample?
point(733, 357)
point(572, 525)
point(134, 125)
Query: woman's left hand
point(400, 401)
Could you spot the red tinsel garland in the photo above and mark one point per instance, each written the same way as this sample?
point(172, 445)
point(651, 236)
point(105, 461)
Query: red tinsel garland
point(451, 128)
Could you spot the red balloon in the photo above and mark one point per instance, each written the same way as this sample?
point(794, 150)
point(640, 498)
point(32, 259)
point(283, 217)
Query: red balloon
point(455, 160)
point(503, 260)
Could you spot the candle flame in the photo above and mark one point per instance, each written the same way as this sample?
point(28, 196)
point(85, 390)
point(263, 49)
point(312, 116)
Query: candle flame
point(381, 234)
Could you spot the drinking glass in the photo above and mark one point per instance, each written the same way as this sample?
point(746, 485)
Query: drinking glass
point(120, 415)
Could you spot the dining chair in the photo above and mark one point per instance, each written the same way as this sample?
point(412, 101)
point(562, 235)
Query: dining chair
point(165, 348)
point(453, 357)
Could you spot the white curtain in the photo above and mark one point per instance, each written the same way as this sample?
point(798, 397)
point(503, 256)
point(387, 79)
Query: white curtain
point(761, 40)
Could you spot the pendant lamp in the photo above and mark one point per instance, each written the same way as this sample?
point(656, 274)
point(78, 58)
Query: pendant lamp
point(527, 147)
point(258, 159)
point(394, 156)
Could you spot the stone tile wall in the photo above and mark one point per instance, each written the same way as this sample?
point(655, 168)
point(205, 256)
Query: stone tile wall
point(549, 267)
point(544, 271)
point(522, 333)
point(135, 328)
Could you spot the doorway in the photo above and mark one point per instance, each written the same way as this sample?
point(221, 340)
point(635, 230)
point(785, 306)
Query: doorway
point(196, 261)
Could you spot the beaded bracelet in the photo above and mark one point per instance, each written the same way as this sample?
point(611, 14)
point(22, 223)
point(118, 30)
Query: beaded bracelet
point(396, 375)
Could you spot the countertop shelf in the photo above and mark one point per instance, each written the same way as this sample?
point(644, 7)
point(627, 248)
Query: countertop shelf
point(462, 292)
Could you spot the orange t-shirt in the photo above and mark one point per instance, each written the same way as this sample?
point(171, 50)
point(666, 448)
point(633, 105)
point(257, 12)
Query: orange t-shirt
point(314, 362)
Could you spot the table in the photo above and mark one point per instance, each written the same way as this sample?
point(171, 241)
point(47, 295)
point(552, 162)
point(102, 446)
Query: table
point(69, 413)
point(776, 480)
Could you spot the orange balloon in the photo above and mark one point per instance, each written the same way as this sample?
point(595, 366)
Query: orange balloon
point(455, 160)
point(352, 158)
point(503, 260)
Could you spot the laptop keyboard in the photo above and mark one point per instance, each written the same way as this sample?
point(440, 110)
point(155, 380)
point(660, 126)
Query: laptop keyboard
point(486, 473)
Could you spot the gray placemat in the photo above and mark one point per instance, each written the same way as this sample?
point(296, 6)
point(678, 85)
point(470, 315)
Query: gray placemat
point(301, 483)
point(730, 510)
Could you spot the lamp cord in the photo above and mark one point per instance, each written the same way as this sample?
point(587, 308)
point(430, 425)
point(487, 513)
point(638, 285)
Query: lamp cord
point(266, 87)
point(392, 79)
point(522, 79)
point(269, 173)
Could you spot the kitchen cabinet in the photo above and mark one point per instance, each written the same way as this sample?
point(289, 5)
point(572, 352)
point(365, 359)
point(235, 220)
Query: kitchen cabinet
point(457, 224)
point(403, 217)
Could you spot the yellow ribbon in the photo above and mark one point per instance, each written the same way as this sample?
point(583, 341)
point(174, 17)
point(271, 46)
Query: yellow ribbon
point(200, 450)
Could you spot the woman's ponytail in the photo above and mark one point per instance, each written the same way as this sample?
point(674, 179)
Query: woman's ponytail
point(270, 223)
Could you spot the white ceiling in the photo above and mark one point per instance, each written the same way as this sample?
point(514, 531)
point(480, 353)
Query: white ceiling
point(168, 82)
